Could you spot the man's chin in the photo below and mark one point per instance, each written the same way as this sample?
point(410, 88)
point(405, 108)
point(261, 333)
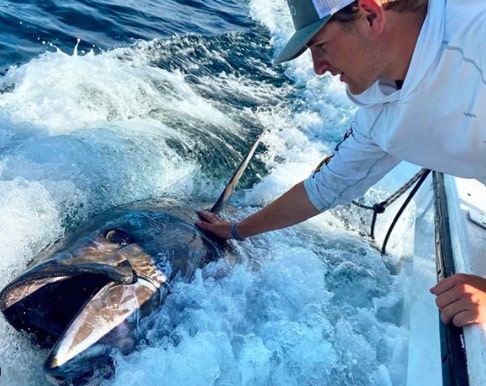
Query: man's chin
point(354, 89)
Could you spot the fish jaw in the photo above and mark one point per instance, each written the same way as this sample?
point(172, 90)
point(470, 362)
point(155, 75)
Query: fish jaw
point(79, 349)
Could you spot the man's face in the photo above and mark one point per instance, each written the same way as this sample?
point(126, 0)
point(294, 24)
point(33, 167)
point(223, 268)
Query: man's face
point(347, 50)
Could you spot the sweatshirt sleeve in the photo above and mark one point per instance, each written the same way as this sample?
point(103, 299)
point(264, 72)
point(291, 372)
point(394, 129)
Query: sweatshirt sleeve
point(357, 164)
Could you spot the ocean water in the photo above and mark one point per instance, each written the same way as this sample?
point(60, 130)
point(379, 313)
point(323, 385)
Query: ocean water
point(103, 102)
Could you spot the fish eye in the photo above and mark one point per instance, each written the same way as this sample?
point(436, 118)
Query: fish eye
point(118, 236)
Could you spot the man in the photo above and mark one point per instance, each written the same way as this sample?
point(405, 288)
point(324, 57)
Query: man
point(417, 71)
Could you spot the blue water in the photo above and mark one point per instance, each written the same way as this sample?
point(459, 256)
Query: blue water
point(107, 102)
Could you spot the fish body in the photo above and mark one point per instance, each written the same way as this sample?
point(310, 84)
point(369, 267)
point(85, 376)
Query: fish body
point(86, 294)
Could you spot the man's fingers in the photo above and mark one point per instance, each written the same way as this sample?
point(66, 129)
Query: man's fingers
point(461, 299)
point(465, 317)
point(459, 317)
point(444, 285)
point(463, 311)
point(446, 298)
point(210, 222)
point(452, 310)
point(208, 216)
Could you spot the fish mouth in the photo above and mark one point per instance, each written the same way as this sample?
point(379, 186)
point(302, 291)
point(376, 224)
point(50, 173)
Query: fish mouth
point(74, 307)
point(102, 324)
point(45, 299)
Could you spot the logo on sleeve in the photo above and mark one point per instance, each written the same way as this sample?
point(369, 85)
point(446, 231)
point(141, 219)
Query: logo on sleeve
point(468, 114)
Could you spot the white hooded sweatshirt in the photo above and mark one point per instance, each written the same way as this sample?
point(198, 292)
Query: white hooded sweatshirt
point(437, 120)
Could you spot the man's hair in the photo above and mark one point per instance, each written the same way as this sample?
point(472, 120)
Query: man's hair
point(403, 5)
point(352, 11)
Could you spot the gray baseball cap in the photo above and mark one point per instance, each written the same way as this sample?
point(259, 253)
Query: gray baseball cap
point(309, 16)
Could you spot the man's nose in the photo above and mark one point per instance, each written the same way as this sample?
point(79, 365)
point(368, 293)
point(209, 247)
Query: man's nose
point(320, 65)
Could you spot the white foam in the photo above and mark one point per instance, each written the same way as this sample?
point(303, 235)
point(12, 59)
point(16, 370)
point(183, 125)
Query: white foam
point(62, 93)
point(29, 220)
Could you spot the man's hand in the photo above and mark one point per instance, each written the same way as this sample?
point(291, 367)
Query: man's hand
point(210, 222)
point(461, 299)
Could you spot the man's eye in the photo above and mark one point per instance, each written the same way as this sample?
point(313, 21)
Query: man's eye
point(317, 46)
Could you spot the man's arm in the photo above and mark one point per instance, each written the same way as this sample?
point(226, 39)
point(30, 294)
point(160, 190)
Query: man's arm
point(289, 209)
point(357, 164)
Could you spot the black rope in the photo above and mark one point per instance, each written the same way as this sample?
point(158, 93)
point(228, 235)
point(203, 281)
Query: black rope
point(379, 208)
point(402, 208)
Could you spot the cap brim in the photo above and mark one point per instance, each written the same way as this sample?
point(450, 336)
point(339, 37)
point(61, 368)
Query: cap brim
point(297, 43)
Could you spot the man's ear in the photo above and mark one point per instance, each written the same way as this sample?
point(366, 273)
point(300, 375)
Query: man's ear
point(374, 14)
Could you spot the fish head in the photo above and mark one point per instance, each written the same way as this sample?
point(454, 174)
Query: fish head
point(84, 296)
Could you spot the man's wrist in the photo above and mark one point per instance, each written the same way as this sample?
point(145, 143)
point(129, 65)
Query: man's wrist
point(234, 233)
